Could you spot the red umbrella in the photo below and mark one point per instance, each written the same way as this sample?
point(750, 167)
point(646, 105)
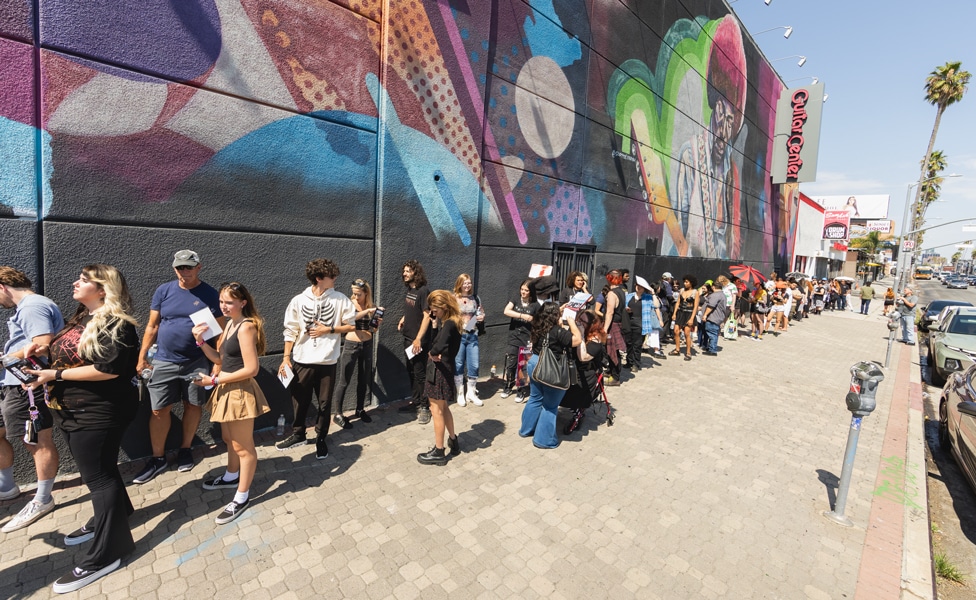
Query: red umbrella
point(747, 273)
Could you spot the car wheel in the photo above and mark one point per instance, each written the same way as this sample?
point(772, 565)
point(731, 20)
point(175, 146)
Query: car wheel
point(944, 424)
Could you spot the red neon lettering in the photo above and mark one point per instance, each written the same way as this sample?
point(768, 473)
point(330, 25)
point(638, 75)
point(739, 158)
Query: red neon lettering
point(794, 144)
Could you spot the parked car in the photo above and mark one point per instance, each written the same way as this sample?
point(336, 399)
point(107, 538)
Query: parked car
point(952, 342)
point(957, 283)
point(957, 421)
point(930, 312)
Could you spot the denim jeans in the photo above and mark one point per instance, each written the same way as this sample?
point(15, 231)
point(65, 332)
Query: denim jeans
point(467, 353)
point(865, 305)
point(711, 333)
point(908, 328)
point(539, 414)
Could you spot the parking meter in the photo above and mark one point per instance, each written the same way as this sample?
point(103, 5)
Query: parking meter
point(894, 322)
point(865, 377)
point(861, 401)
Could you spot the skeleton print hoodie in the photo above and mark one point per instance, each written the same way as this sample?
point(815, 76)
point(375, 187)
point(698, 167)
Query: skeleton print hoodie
point(331, 309)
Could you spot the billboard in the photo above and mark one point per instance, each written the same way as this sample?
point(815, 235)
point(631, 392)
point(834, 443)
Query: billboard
point(860, 207)
point(796, 141)
point(837, 224)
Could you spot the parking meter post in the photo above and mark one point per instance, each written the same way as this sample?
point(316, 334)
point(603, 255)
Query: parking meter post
point(861, 401)
point(892, 328)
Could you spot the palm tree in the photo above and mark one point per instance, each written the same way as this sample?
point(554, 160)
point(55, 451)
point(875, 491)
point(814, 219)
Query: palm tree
point(944, 86)
point(972, 254)
point(955, 257)
point(869, 243)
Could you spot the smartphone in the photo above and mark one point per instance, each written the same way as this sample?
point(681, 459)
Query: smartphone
point(377, 315)
point(18, 366)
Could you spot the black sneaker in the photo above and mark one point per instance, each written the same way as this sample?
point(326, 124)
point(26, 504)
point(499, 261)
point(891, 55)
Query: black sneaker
point(321, 450)
point(364, 417)
point(454, 445)
point(434, 456)
point(79, 578)
point(154, 466)
point(342, 422)
point(231, 512)
point(184, 460)
point(409, 407)
point(295, 439)
point(219, 483)
point(423, 415)
point(81, 535)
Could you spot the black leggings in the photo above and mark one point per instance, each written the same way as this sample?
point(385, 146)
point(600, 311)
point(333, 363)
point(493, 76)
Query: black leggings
point(359, 356)
point(96, 453)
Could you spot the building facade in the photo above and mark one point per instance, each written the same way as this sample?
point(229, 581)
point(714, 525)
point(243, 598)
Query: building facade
point(476, 137)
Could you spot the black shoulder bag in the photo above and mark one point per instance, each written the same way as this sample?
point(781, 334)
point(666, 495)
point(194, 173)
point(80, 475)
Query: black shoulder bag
point(552, 369)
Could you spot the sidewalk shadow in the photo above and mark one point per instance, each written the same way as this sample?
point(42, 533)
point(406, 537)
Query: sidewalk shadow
point(831, 482)
point(480, 435)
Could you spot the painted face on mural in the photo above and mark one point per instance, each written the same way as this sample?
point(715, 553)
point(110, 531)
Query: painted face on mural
point(723, 126)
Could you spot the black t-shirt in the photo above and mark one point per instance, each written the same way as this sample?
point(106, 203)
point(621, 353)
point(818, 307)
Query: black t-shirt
point(414, 308)
point(560, 340)
point(95, 404)
point(521, 326)
point(447, 342)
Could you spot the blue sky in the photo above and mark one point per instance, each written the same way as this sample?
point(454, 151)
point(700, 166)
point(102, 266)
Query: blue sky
point(873, 57)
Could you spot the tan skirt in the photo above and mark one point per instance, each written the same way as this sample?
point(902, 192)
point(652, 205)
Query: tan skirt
point(237, 401)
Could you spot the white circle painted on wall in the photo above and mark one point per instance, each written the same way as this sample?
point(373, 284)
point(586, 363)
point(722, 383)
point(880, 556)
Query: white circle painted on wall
point(547, 126)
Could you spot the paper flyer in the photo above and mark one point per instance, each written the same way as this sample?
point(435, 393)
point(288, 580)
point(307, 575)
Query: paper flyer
point(205, 316)
point(286, 377)
point(540, 270)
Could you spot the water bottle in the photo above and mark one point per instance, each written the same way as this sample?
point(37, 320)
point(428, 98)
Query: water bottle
point(150, 355)
point(280, 430)
point(494, 371)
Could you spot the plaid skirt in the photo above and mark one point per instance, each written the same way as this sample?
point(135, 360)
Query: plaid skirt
point(615, 343)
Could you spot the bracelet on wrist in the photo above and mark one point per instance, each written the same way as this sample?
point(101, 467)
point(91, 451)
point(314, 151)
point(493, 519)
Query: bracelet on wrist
point(59, 375)
point(200, 343)
point(214, 381)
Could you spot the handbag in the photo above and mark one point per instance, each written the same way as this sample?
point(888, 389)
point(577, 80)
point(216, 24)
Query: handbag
point(552, 369)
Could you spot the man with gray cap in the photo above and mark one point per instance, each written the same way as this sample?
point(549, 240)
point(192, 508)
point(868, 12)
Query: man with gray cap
point(177, 357)
point(905, 305)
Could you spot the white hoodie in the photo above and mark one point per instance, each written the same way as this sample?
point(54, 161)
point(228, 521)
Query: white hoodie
point(331, 309)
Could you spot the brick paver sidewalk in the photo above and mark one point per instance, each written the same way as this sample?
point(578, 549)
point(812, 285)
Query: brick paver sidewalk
point(710, 484)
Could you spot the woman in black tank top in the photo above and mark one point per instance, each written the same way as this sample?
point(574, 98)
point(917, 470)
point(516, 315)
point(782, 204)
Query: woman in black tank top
point(236, 399)
point(684, 315)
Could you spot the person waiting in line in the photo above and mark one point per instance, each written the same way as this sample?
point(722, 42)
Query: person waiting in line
point(439, 385)
point(683, 317)
point(467, 356)
point(587, 361)
point(169, 328)
point(520, 310)
point(93, 400)
point(649, 318)
point(889, 302)
point(35, 321)
point(760, 306)
point(357, 354)
point(575, 284)
point(614, 324)
point(414, 326)
point(314, 323)
point(236, 399)
point(561, 336)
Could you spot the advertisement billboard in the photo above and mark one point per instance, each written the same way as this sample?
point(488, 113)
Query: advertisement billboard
point(860, 207)
point(837, 224)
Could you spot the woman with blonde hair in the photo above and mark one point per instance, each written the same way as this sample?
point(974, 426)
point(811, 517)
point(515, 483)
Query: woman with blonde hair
point(236, 399)
point(472, 321)
point(92, 362)
point(440, 387)
point(357, 353)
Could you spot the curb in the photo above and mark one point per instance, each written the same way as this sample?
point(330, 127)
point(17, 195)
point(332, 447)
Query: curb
point(918, 580)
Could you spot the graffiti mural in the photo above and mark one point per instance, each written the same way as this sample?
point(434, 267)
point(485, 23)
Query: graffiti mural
point(507, 122)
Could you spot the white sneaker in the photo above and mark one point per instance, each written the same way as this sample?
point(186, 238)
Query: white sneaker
point(519, 398)
point(473, 397)
point(11, 493)
point(460, 399)
point(27, 515)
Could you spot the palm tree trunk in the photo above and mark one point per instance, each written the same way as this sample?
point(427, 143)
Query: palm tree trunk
point(925, 162)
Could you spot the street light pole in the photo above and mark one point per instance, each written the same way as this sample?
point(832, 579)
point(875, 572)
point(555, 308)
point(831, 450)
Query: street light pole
point(902, 264)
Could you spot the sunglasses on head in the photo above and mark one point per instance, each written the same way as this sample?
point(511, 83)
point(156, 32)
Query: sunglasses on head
point(359, 283)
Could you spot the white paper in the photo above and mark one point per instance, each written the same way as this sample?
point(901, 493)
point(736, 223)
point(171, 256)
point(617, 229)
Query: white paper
point(205, 316)
point(577, 302)
point(286, 378)
point(471, 324)
point(409, 351)
point(540, 270)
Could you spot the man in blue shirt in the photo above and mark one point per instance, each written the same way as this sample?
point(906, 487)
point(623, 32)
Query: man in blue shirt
point(177, 357)
point(36, 320)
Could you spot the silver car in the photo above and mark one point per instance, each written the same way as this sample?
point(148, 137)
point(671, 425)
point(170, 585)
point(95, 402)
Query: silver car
point(957, 421)
point(952, 342)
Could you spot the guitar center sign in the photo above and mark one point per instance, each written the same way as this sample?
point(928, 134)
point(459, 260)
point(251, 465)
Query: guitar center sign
point(797, 138)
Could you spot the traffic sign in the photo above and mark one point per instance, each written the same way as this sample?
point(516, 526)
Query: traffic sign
point(908, 245)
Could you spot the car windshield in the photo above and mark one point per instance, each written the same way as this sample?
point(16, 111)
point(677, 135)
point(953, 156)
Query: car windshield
point(938, 305)
point(963, 324)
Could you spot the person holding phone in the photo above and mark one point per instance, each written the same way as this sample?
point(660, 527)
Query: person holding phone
point(93, 400)
point(439, 384)
point(357, 354)
point(236, 399)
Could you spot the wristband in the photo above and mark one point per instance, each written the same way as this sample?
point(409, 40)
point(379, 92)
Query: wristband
point(214, 381)
point(59, 375)
point(200, 344)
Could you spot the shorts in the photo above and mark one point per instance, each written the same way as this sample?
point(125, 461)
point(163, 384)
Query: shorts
point(167, 385)
point(15, 411)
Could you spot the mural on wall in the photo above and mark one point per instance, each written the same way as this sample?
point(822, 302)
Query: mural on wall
point(524, 120)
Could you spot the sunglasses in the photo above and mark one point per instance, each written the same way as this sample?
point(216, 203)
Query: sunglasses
point(185, 268)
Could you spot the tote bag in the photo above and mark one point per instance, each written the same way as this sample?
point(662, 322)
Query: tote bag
point(552, 369)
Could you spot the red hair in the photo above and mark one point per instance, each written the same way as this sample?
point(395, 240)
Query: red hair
point(614, 277)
